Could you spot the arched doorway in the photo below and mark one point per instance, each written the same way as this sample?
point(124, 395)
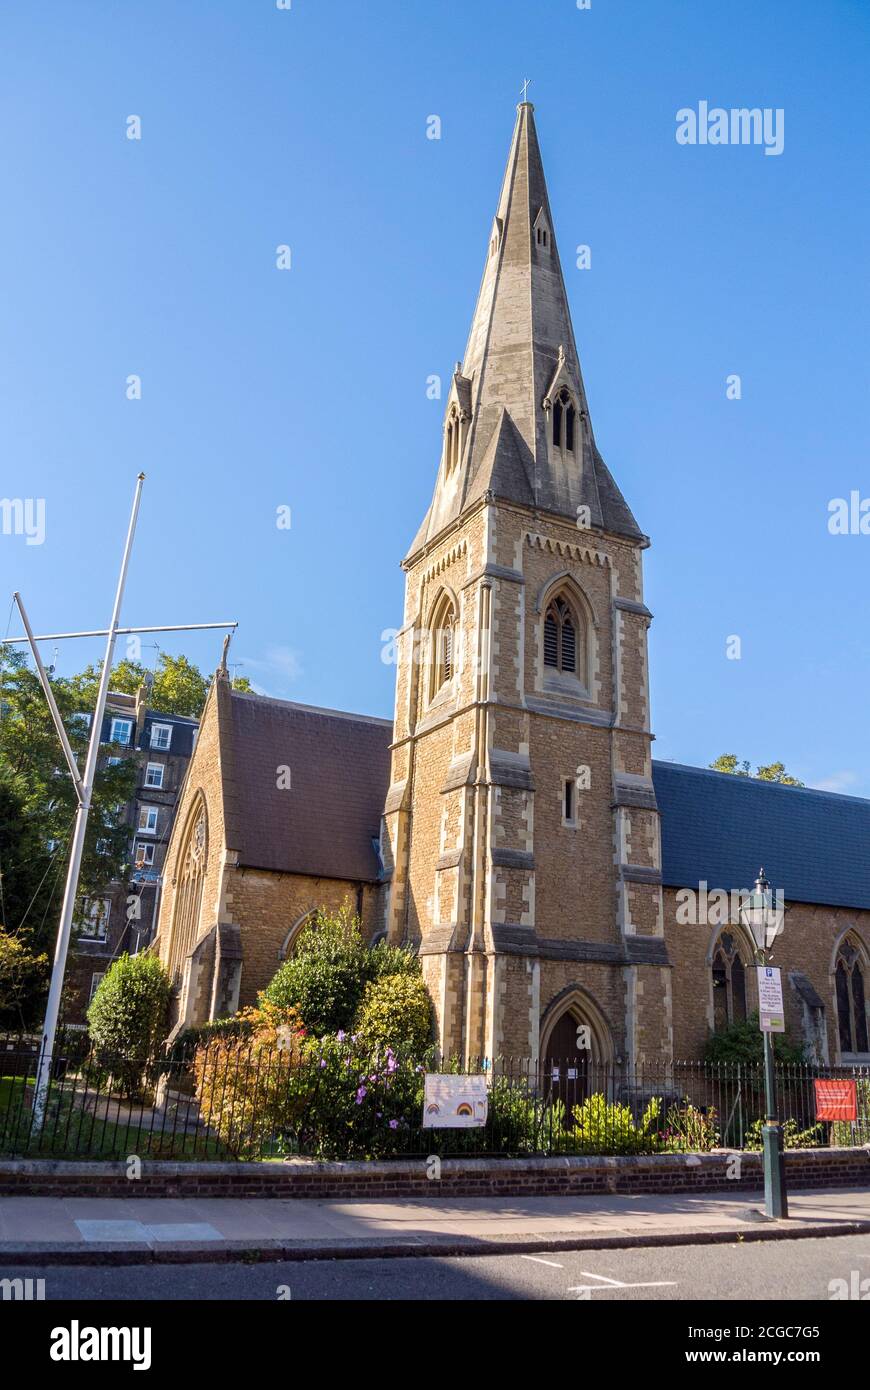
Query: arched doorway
point(566, 1064)
point(576, 1048)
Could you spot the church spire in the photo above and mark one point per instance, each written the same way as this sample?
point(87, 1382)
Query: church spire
point(517, 421)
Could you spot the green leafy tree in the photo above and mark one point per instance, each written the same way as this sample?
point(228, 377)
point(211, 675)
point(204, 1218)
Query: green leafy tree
point(177, 686)
point(770, 772)
point(23, 982)
point(38, 805)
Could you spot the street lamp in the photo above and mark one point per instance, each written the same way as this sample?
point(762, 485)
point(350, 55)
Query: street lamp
point(763, 917)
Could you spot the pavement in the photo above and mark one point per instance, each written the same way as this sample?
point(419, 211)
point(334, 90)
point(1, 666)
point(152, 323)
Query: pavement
point(93, 1230)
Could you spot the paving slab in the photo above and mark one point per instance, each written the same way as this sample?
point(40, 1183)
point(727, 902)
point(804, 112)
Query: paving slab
point(76, 1228)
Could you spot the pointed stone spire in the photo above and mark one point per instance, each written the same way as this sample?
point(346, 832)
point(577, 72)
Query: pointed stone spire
point(520, 354)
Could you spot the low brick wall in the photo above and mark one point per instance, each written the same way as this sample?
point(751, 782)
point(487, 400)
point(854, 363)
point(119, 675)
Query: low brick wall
point(522, 1177)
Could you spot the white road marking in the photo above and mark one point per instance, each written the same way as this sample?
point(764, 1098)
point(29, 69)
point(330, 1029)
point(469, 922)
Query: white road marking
point(586, 1275)
point(612, 1284)
point(538, 1261)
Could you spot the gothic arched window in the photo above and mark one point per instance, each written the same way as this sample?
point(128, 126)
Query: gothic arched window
point(443, 645)
point(452, 440)
point(729, 983)
point(560, 636)
point(564, 421)
point(851, 999)
point(188, 894)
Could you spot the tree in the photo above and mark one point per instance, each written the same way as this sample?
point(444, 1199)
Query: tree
point(23, 981)
point(38, 804)
point(177, 685)
point(771, 772)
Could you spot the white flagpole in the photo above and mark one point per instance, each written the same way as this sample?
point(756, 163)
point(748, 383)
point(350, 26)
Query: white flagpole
point(52, 1008)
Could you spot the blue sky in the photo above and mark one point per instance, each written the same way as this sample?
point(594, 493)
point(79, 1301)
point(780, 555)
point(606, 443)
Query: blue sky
point(307, 388)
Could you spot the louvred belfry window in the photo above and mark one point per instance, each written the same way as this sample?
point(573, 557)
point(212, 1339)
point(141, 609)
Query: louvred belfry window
point(560, 637)
point(443, 645)
point(447, 652)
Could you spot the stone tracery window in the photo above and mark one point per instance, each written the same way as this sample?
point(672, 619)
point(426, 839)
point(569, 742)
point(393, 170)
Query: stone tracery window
point(188, 893)
point(564, 421)
point(729, 983)
point(851, 999)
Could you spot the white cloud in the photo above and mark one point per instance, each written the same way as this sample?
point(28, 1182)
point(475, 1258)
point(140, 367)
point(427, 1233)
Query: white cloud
point(283, 663)
point(837, 782)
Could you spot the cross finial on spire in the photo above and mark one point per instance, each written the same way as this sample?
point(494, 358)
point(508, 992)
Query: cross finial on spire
point(526, 85)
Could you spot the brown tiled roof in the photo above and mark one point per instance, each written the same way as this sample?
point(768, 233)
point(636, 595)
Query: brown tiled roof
point(324, 823)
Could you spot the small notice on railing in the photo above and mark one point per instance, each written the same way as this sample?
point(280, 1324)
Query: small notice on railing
point(454, 1102)
point(836, 1100)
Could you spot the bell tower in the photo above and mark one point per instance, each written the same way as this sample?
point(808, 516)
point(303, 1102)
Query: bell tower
point(521, 835)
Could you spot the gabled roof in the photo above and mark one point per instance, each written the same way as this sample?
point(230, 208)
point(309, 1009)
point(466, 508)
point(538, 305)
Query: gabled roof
point(521, 335)
point(719, 828)
point(323, 824)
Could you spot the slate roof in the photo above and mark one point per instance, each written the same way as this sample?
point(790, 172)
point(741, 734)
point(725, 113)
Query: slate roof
point(324, 823)
point(716, 827)
point(814, 845)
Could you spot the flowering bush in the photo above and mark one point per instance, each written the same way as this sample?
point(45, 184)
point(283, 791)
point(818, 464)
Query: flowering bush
point(252, 1087)
point(689, 1130)
point(358, 1103)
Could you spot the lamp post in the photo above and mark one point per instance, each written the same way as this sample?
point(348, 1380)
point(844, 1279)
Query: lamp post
point(763, 918)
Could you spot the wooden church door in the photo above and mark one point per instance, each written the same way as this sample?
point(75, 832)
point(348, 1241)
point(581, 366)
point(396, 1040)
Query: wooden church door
point(565, 1066)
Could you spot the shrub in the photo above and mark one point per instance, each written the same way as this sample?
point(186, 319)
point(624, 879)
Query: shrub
point(357, 1105)
point(239, 1026)
point(127, 1017)
point(793, 1136)
point(741, 1041)
point(382, 960)
point(518, 1122)
point(396, 1012)
point(252, 1086)
point(689, 1130)
point(608, 1127)
point(325, 978)
point(844, 1132)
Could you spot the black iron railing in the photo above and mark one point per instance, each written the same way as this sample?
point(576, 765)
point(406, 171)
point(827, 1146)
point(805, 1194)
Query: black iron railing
point(234, 1097)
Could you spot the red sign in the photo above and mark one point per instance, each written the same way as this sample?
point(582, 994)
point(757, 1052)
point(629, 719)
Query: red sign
point(836, 1100)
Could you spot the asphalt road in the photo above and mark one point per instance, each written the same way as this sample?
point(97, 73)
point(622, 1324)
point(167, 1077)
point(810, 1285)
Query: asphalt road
point(789, 1269)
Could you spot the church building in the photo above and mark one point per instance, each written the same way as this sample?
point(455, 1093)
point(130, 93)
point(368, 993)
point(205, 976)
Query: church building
point(510, 823)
